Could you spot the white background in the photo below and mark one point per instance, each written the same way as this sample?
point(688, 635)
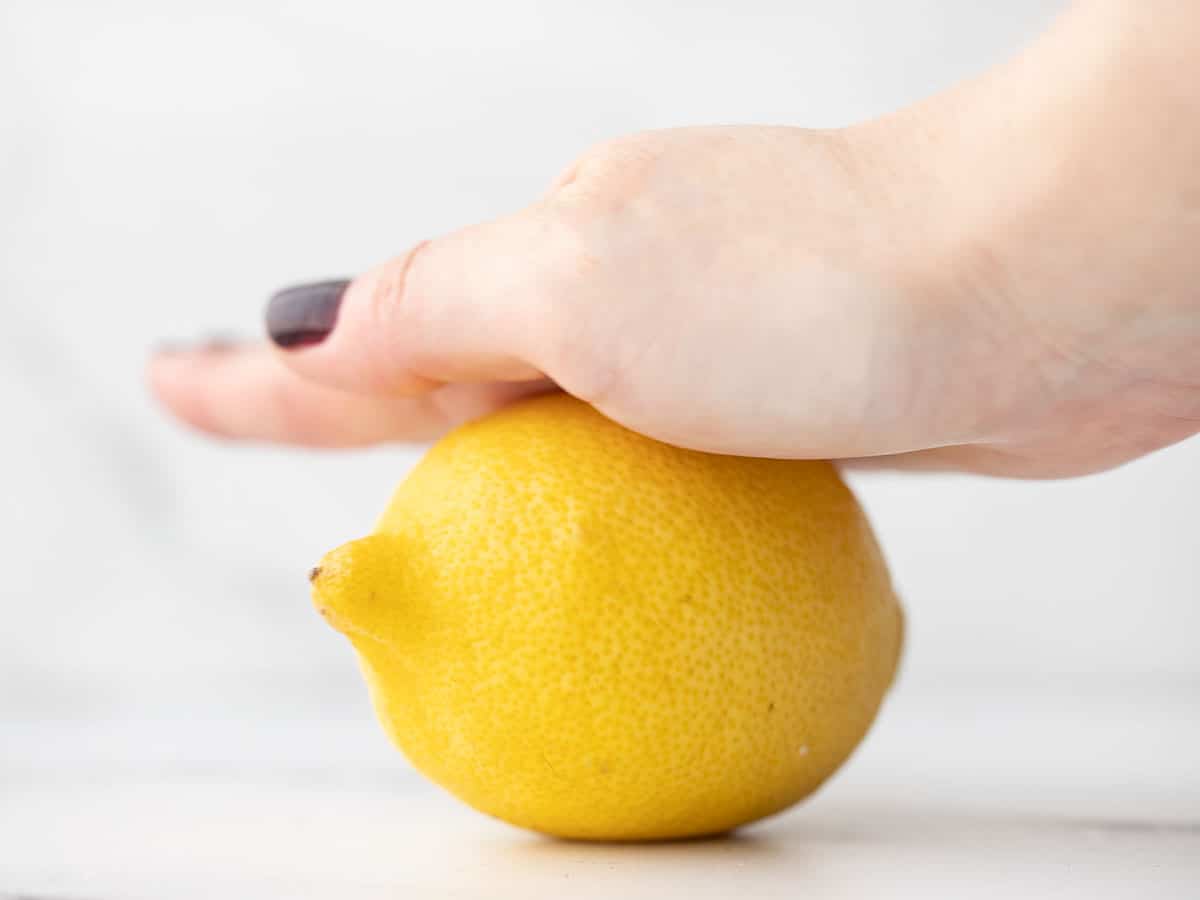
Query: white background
point(165, 166)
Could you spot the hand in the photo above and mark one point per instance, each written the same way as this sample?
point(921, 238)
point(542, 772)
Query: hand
point(1001, 279)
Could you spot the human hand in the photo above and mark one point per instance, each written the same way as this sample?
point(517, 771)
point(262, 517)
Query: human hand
point(1001, 279)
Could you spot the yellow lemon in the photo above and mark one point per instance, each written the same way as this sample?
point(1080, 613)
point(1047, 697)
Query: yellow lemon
point(588, 633)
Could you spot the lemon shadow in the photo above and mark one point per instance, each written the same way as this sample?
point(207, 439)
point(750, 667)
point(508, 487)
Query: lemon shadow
point(736, 846)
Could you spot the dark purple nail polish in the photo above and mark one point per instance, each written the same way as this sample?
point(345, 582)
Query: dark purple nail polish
point(305, 314)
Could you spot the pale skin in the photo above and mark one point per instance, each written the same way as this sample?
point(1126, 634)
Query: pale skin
point(1003, 278)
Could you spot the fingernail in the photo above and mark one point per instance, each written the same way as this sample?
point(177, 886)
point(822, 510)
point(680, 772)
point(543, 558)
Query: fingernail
point(213, 343)
point(304, 315)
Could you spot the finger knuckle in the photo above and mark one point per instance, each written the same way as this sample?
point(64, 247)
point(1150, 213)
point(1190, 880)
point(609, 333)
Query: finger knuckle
point(396, 309)
point(610, 176)
point(393, 291)
point(579, 306)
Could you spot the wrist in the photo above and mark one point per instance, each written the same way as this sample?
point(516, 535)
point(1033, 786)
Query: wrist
point(1056, 210)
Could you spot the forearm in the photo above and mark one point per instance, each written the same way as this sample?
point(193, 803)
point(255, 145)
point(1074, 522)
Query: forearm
point(1064, 184)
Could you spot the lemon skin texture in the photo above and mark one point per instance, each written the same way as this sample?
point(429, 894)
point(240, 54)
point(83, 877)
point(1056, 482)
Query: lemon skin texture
point(584, 632)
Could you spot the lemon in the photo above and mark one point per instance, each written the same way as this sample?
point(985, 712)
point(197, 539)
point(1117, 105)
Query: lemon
point(588, 633)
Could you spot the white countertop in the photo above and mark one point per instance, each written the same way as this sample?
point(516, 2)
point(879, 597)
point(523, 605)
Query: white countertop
point(967, 793)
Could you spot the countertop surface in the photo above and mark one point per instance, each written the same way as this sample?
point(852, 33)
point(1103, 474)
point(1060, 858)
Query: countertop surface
point(967, 792)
